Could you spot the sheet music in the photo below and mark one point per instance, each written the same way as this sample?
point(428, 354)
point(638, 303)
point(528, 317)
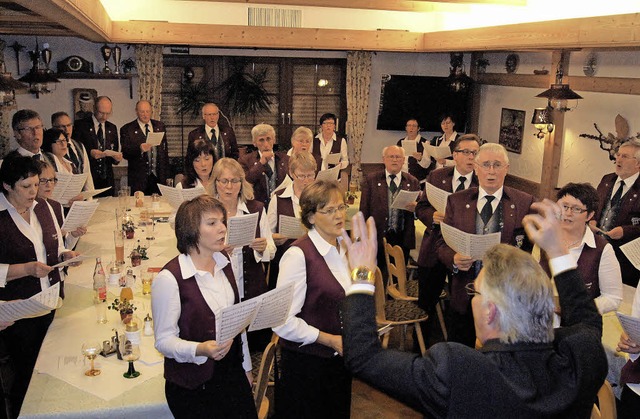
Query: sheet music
point(333, 158)
point(93, 192)
point(155, 138)
point(38, 305)
point(631, 326)
point(290, 227)
point(404, 198)
point(410, 147)
point(175, 196)
point(437, 152)
point(241, 229)
point(437, 197)
point(264, 311)
point(329, 174)
point(79, 215)
point(473, 245)
point(632, 251)
point(67, 262)
point(68, 186)
point(190, 193)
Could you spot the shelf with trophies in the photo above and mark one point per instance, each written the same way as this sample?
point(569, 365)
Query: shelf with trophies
point(76, 67)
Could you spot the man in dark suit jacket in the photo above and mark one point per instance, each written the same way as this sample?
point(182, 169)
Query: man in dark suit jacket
point(525, 368)
point(100, 139)
point(264, 168)
point(224, 132)
point(472, 212)
point(416, 165)
point(619, 214)
point(147, 165)
point(431, 272)
point(378, 192)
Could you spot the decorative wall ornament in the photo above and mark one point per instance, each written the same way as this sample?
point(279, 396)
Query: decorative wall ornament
point(512, 129)
point(611, 143)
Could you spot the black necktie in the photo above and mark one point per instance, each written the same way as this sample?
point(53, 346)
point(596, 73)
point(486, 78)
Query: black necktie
point(487, 210)
point(72, 155)
point(101, 137)
point(615, 200)
point(146, 130)
point(392, 185)
point(460, 187)
point(36, 157)
point(268, 170)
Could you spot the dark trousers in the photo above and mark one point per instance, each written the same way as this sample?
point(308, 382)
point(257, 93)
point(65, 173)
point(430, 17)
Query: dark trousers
point(22, 342)
point(460, 327)
point(312, 387)
point(430, 284)
point(226, 395)
point(629, 405)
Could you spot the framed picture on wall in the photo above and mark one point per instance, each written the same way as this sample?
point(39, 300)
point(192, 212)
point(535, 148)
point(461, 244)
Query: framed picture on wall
point(83, 101)
point(512, 129)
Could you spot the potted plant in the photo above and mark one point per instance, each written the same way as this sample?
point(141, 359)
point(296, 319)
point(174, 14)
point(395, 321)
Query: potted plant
point(125, 307)
point(128, 226)
point(128, 65)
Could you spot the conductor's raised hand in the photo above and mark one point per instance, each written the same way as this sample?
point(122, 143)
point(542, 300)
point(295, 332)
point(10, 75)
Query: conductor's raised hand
point(544, 228)
point(362, 246)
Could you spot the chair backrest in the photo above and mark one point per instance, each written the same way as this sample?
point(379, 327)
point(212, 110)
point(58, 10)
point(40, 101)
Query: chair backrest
point(379, 297)
point(606, 408)
point(397, 270)
point(262, 381)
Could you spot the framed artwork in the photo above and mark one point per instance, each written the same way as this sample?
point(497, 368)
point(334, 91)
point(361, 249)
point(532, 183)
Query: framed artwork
point(83, 100)
point(512, 129)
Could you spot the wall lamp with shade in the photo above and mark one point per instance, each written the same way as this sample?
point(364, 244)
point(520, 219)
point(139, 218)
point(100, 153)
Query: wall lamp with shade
point(458, 81)
point(559, 95)
point(542, 121)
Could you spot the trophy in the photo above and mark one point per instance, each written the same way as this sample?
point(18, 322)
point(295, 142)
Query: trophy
point(46, 57)
point(106, 55)
point(117, 54)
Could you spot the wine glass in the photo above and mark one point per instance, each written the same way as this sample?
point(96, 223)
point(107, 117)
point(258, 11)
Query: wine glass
point(130, 352)
point(91, 350)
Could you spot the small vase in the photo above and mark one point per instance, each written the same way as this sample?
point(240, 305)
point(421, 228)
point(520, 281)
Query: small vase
point(126, 316)
point(130, 233)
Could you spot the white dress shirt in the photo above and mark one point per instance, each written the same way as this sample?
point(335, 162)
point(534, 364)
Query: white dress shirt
point(446, 142)
point(166, 308)
point(481, 199)
point(272, 213)
point(628, 182)
point(293, 270)
point(325, 150)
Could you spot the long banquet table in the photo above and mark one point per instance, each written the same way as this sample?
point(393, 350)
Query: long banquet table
point(59, 387)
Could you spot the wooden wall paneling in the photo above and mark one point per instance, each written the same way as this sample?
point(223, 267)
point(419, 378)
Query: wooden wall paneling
point(516, 80)
point(475, 99)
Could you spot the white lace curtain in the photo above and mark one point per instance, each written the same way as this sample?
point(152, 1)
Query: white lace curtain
point(150, 69)
point(358, 83)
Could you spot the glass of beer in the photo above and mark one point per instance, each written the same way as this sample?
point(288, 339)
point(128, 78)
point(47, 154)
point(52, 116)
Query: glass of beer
point(118, 239)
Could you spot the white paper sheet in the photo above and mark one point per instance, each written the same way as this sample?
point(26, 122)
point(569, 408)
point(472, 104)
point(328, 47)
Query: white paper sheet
point(38, 305)
point(632, 251)
point(404, 198)
point(329, 174)
point(68, 262)
point(437, 152)
point(473, 245)
point(333, 158)
point(241, 230)
point(631, 326)
point(175, 196)
point(410, 147)
point(437, 197)
point(155, 138)
point(93, 192)
point(290, 227)
point(79, 215)
point(68, 186)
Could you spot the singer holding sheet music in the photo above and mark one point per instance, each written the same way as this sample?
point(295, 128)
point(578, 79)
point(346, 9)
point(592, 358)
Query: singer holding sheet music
point(198, 166)
point(204, 378)
point(314, 381)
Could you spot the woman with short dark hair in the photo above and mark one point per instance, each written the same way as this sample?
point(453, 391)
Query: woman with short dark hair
point(198, 166)
point(204, 378)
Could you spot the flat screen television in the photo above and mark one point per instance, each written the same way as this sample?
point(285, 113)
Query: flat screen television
point(420, 97)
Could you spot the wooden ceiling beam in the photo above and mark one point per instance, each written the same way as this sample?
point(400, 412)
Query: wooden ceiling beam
point(86, 18)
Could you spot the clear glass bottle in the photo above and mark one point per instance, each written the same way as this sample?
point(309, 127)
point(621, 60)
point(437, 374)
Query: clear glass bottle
point(100, 292)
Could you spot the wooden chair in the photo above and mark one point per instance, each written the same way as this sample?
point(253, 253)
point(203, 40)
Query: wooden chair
point(606, 407)
point(399, 288)
point(262, 380)
point(398, 313)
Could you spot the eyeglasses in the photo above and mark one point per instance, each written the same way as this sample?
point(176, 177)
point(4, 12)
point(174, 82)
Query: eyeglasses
point(63, 126)
point(488, 165)
point(328, 123)
point(62, 141)
point(32, 129)
point(624, 156)
point(45, 181)
point(471, 289)
point(225, 182)
point(467, 152)
point(573, 210)
point(103, 113)
point(212, 114)
point(332, 211)
point(305, 177)
point(395, 157)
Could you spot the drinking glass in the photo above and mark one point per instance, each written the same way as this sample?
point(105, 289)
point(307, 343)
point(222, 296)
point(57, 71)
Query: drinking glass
point(118, 239)
point(130, 353)
point(147, 279)
point(90, 350)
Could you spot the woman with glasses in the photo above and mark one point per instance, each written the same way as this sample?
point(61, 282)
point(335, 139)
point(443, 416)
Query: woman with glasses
point(198, 166)
point(55, 147)
point(236, 194)
point(32, 245)
point(286, 201)
point(314, 382)
point(596, 259)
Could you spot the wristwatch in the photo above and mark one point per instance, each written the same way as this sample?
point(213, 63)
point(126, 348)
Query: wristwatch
point(362, 274)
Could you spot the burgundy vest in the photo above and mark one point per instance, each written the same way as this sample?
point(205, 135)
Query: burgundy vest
point(20, 250)
point(322, 300)
point(255, 279)
point(588, 265)
point(285, 207)
point(57, 210)
point(335, 148)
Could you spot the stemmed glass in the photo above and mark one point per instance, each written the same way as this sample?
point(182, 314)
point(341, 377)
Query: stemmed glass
point(91, 350)
point(130, 352)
